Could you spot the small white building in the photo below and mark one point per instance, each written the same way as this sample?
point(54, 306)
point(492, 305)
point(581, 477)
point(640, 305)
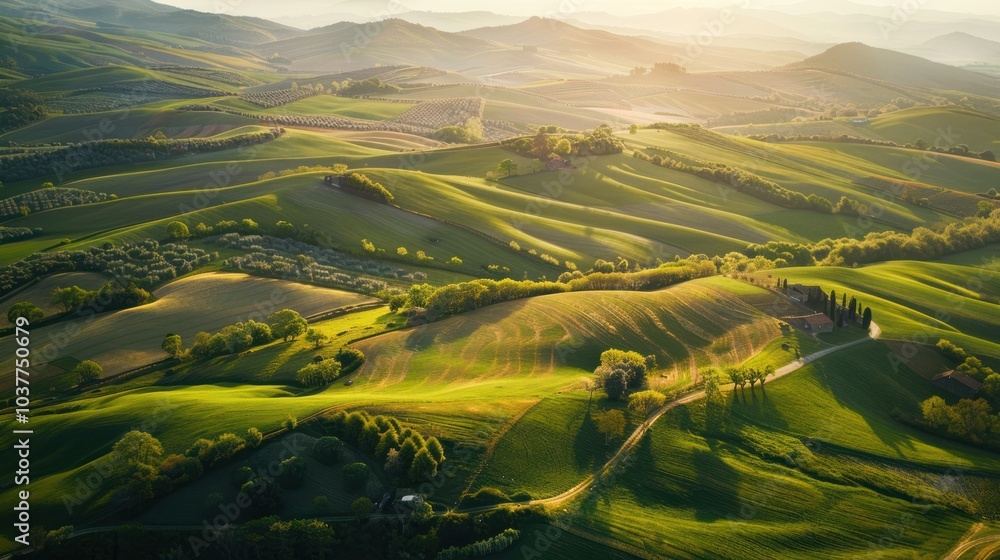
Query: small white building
point(412, 501)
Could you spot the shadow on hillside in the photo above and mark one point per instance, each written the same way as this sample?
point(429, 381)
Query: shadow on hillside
point(589, 450)
point(871, 389)
point(459, 326)
point(716, 492)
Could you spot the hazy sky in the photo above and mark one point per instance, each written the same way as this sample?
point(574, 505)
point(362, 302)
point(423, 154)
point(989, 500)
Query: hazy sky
point(272, 9)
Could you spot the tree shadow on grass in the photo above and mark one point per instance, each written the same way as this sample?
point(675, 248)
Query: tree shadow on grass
point(716, 492)
point(589, 451)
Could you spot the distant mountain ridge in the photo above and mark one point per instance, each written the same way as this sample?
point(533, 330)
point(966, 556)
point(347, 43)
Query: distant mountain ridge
point(900, 68)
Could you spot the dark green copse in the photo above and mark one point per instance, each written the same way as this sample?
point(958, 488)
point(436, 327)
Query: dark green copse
point(866, 318)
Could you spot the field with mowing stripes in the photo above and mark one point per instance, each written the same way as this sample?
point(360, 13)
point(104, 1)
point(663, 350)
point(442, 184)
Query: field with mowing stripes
point(126, 339)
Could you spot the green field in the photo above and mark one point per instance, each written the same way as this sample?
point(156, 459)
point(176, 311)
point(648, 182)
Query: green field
point(130, 338)
point(830, 458)
point(687, 486)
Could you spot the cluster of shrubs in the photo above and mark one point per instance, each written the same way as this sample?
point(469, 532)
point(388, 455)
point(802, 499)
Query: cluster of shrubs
point(138, 456)
point(102, 153)
point(428, 303)
point(364, 186)
point(547, 144)
point(622, 372)
point(286, 324)
point(408, 456)
point(748, 183)
point(324, 371)
point(11, 234)
point(47, 199)
point(144, 264)
point(968, 420)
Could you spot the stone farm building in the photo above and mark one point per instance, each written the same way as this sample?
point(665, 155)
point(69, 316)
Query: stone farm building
point(957, 383)
point(818, 323)
point(804, 294)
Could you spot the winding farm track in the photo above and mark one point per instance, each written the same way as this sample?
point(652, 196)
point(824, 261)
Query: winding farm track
point(970, 542)
point(586, 484)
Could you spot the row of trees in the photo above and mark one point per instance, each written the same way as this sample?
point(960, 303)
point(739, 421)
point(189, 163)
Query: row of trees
point(492, 545)
point(752, 184)
point(102, 153)
point(408, 456)
point(286, 325)
point(144, 264)
point(364, 186)
point(429, 303)
point(742, 375)
point(921, 244)
point(919, 144)
point(110, 296)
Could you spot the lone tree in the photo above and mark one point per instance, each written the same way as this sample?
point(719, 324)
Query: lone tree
point(611, 423)
point(178, 230)
point(136, 448)
point(172, 345)
point(25, 309)
point(316, 337)
point(88, 370)
point(866, 318)
point(287, 324)
point(507, 168)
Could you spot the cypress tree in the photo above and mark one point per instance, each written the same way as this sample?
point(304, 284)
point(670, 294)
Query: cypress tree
point(866, 318)
point(833, 305)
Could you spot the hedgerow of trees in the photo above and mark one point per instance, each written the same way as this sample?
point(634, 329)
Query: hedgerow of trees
point(285, 324)
point(100, 153)
point(364, 186)
point(142, 264)
point(427, 303)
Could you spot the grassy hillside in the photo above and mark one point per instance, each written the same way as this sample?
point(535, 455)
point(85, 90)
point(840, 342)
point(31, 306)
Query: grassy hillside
point(978, 131)
point(836, 496)
point(131, 338)
point(920, 301)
